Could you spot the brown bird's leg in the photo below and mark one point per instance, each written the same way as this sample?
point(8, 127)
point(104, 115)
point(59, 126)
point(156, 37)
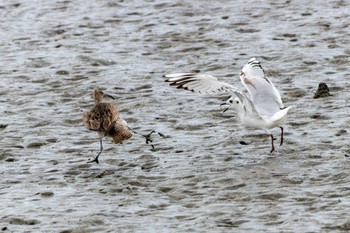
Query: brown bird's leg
point(148, 136)
point(101, 149)
point(273, 147)
point(281, 135)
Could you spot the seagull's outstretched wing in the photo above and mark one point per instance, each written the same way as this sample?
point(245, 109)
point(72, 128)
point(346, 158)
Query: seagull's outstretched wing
point(201, 83)
point(265, 97)
point(204, 83)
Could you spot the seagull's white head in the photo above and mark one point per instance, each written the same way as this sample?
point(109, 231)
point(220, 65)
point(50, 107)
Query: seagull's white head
point(232, 102)
point(235, 103)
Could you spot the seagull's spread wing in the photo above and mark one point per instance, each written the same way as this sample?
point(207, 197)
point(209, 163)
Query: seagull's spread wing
point(265, 97)
point(201, 83)
point(204, 83)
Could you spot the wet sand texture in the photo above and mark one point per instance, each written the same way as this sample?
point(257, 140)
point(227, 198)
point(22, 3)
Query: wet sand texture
point(208, 174)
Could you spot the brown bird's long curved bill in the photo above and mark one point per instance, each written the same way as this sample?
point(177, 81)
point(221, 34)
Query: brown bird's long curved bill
point(109, 96)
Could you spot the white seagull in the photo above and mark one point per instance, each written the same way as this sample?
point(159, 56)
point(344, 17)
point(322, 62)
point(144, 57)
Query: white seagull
point(263, 110)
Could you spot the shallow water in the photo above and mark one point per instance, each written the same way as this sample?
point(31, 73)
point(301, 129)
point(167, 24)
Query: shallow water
point(209, 173)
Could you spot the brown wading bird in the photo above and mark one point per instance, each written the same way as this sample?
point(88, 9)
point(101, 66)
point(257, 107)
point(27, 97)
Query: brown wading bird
point(104, 118)
point(263, 110)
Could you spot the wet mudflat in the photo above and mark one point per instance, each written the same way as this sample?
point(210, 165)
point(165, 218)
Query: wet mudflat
point(208, 173)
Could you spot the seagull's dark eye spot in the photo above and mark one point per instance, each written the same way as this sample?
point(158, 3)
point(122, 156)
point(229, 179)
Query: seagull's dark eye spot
point(231, 101)
point(237, 102)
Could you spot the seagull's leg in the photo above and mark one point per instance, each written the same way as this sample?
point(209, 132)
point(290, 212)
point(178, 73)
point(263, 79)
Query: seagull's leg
point(273, 147)
point(101, 149)
point(281, 135)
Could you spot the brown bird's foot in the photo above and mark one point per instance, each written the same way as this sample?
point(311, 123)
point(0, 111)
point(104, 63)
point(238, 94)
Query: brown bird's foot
point(98, 155)
point(148, 137)
point(95, 160)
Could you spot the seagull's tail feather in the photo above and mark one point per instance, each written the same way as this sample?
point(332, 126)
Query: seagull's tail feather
point(280, 115)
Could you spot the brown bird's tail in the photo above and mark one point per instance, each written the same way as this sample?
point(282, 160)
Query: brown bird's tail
point(120, 131)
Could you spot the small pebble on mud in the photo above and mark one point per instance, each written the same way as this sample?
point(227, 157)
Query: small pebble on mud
point(341, 132)
point(322, 91)
point(62, 72)
point(10, 160)
point(243, 143)
point(47, 194)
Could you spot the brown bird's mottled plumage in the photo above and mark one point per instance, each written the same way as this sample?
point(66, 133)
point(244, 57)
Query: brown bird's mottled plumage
point(104, 118)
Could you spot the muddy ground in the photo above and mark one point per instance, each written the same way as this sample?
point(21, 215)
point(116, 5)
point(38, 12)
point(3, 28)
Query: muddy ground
point(208, 174)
